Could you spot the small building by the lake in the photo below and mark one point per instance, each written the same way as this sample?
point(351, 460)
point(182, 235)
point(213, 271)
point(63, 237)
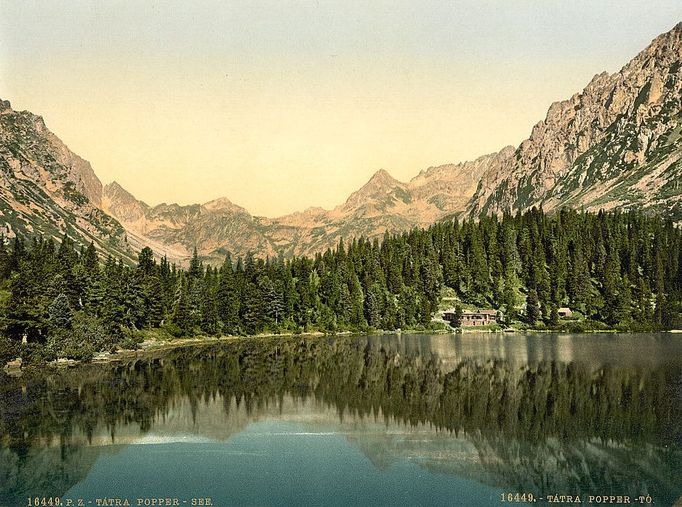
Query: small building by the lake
point(564, 312)
point(472, 318)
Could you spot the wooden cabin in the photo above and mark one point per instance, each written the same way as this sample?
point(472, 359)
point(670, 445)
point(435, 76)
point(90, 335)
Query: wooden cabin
point(564, 312)
point(472, 318)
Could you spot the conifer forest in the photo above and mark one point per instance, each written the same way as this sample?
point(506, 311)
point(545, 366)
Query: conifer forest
point(614, 270)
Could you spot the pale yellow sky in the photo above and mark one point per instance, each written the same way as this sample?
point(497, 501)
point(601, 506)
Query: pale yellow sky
point(281, 105)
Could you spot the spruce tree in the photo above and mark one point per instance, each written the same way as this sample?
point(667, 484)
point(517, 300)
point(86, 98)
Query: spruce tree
point(532, 307)
point(228, 298)
point(457, 319)
point(60, 313)
point(181, 309)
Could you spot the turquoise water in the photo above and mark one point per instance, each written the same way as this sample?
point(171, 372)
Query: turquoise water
point(364, 420)
point(275, 463)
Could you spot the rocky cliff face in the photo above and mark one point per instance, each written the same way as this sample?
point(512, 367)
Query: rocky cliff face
point(617, 143)
point(47, 189)
point(174, 230)
point(385, 204)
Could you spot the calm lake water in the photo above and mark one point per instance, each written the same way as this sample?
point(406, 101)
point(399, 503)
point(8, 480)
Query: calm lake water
point(370, 420)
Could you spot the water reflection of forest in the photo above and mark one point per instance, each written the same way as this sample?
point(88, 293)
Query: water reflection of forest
point(533, 425)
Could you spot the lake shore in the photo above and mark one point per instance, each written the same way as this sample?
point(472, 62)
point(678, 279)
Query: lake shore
point(152, 346)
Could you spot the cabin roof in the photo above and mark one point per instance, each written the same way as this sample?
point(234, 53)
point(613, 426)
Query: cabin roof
point(470, 312)
point(486, 312)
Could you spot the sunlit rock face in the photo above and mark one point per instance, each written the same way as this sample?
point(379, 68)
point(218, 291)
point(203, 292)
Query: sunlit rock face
point(46, 189)
point(616, 144)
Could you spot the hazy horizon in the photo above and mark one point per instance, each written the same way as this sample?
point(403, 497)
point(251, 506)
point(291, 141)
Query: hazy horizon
point(179, 102)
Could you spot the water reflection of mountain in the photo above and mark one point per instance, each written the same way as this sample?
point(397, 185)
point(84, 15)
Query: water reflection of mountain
point(508, 411)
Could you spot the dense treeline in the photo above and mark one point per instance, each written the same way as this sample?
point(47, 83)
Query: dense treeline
point(622, 270)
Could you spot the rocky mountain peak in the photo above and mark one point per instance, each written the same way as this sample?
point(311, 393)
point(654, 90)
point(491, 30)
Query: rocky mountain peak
point(378, 188)
point(380, 181)
point(596, 148)
point(505, 152)
point(36, 153)
point(616, 143)
point(114, 188)
point(382, 175)
point(223, 204)
point(120, 203)
point(664, 50)
point(46, 189)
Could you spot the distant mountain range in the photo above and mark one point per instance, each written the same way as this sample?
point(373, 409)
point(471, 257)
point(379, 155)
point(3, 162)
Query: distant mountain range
point(382, 204)
point(616, 144)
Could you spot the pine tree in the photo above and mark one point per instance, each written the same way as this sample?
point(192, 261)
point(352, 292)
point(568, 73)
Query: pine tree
point(532, 307)
point(457, 319)
point(477, 266)
point(356, 316)
point(181, 309)
point(580, 283)
point(17, 255)
point(60, 313)
point(252, 309)
point(374, 305)
point(90, 260)
point(228, 298)
point(196, 270)
point(113, 310)
point(612, 290)
point(145, 261)
point(553, 319)
point(152, 297)
point(209, 311)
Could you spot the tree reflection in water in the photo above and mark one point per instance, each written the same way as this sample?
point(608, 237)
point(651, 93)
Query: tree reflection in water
point(536, 426)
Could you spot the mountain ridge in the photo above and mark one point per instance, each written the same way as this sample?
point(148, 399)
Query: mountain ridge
point(615, 144)
point(46, 189)
point(595, 149)
point(383, 204)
